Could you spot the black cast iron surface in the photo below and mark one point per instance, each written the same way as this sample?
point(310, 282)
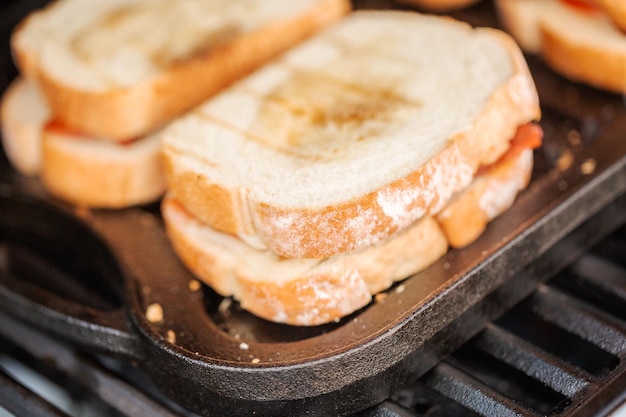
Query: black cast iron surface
point(560, 352)
point(217, 360)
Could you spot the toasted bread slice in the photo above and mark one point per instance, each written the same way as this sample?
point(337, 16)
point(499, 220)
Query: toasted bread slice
point(23, 112)
point(299, 291)
point(82, 170)
point(90, 172)
point(353, 135)
point(119, 69)
point(316, 291)
point(466, 216)
point(594, 53)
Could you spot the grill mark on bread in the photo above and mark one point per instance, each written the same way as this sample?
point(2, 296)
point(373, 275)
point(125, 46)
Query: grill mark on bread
point(203, 46)
point(329, 114)
point(325, 120)
point(185, 41)
point(326, 117)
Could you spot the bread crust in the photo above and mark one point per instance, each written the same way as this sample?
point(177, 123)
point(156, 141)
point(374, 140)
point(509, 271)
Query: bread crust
point(466, 216)
point(599, 62)
point(140, 109)
point(582, 62)
point(616, 9)
point(22, 113)
point(320, 292)
point(95, 173)
point(347, 226)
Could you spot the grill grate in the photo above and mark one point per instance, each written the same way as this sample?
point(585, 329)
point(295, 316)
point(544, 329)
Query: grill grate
point(522, 369)
point(560, 352)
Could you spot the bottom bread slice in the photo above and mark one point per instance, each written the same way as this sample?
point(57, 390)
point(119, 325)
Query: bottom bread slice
point(316, 291)
point(23, 112)
point(99, 173)
point(296, 290)
point(82, 170)
point(466, 216)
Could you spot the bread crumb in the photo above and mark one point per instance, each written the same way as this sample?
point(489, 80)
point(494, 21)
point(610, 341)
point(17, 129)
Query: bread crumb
point(224, 306)
point(588, 166)
point(565, 161)
point(171, 336)
point(573, 137)
point(244, 346)
point(154, 313)
point(380, 297)
point(446, 265)
point(400, 289)
point(194, 285)
point(256, 360)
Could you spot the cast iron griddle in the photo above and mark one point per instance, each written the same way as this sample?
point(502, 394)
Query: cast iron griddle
point(215, 359)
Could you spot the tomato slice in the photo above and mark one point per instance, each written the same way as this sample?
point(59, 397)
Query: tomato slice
point(55, 126)
point(58, 127)
point(583, 5)
point(527, 136)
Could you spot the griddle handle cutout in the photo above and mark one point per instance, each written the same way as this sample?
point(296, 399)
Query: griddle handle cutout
point(59, 277)
point(98, 330)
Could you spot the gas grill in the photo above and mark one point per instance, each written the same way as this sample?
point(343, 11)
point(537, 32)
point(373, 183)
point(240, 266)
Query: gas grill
point(529, 320)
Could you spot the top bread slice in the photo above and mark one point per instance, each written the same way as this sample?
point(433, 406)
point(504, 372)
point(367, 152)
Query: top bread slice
point(593, 53)
point(352, 135)
point(118, 69)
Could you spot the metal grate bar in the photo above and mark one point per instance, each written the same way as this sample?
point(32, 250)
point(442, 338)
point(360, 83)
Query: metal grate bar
point(107, 386)
point(612, 278)
point(472, 394)
point(21, 401)
point(581, 319)
point(389, 409)
point(532, 361)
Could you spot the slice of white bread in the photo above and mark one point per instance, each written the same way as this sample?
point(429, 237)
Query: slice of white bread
point(299, 291)
point(90, 172)
point(82, 170)
point(580, 43)
point(352, 135)
point(466, 216)
point(316, 291)
point(439, 6)
point(118, 69)
point(23, 112)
